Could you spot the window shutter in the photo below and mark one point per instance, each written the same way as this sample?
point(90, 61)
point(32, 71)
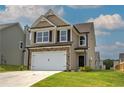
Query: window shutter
point(69, 36)
point(50, 36)
point(34, 37)
point(58, 35)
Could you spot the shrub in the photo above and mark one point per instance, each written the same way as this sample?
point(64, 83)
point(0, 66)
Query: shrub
point(86, 68)
point(82, 69)
point(22, 67)
point(2, 69)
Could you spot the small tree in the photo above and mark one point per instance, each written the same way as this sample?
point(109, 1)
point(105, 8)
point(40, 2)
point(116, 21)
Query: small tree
point(108, 63)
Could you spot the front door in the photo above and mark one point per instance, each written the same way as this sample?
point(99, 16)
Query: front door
point(81, 61)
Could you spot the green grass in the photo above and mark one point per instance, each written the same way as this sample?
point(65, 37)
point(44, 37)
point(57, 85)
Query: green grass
point(5, 68)
point(83, 79)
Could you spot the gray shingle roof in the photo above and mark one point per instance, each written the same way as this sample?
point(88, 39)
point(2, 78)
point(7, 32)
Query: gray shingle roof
point(3, 26)
point(53, 18)
point(121, 55)
point(84, 27)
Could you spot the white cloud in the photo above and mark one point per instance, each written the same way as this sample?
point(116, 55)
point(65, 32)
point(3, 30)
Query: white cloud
point(109, 22)
point(111, 47)
point(110, 50)
point(101, 33)
point(83, 6)
point(120, 44)
point(25, 13)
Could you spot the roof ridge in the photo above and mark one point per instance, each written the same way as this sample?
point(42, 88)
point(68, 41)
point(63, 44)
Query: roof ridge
point(84, 23)
point(9, 23)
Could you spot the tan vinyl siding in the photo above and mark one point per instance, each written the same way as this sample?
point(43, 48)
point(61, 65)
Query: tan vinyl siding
point(91, 49)
point(43, 24)
point(74, 63)
point(55, 20)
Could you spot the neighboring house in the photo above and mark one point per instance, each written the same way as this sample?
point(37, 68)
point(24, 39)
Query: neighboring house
point(119, 64)
point(11, 44)
point(102, 66)
point(54, 44)
point(121, 57)
point(97, 61)
point(115, 63)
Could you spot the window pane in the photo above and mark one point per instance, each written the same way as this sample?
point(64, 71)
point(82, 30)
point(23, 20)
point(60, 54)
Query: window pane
point(39, 39)
point(82, 38)
point(63, 35)
point(45, 39)
point(45, 33)
point(63, 32)
point(81, 42)
point(63, 38)
point(40, 34)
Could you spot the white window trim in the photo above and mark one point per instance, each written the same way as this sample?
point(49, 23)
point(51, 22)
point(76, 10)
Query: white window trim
point(30, 35)
point(85, 40)
point(42, 37)
point(60, 35)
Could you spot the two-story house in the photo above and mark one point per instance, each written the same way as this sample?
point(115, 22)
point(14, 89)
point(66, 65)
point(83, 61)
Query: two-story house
point(54, 44)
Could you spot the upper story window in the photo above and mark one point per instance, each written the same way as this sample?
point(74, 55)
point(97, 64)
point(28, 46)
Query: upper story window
point(83, 40)
point(63, 35)
point(42, 37)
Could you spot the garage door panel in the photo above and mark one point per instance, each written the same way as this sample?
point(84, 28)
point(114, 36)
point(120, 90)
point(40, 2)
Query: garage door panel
point(53, 60)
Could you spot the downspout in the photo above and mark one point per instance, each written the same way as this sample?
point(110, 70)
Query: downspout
point(27, 28)
point(28, 67)
point(23, 51)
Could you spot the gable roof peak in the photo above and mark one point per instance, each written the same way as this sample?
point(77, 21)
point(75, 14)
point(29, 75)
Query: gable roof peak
point(50, 12)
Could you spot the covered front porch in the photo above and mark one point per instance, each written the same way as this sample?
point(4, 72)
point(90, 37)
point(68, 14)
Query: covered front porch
point(81, 57)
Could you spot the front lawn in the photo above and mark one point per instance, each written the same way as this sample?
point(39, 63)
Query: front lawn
point(4, 68)
point(83, 79)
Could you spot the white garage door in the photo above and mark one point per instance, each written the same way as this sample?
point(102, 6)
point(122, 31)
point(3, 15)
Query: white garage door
point(51, 60)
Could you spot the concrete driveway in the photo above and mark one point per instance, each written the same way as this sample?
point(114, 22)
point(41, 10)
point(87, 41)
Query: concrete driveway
point(23, 78)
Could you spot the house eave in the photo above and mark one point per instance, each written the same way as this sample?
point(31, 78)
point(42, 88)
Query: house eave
point(79, 31)
point(81, 49)
point(51, 45)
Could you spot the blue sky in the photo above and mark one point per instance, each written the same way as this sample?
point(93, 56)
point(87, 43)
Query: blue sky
point(108, 20)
